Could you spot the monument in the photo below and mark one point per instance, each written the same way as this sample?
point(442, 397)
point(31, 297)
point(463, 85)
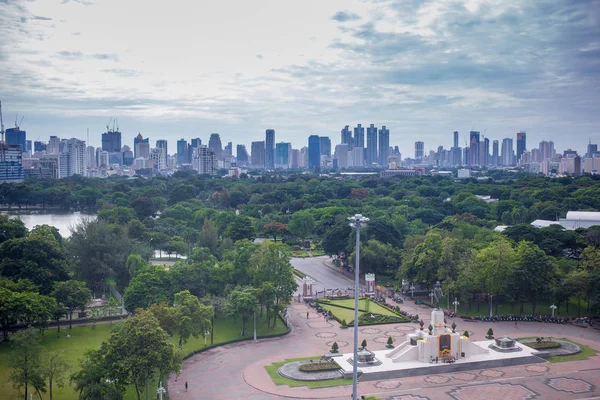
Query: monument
point(370, 282)
point(307, 289)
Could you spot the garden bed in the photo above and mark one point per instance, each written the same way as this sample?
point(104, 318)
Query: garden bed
point(550, 344)
point(320, 366)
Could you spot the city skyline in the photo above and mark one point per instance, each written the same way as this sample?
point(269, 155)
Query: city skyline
point(426, 67)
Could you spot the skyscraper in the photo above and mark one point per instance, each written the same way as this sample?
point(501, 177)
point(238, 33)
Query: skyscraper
point(111, 141)
point(214, 143)
point(484, 152)
point(508, 153)
point(270, 149)
point(228, 150)
point(17, 137)
point(141, 146)
point(384, 146)
point(591, 149)
point(495, 153)
point(325, 146)
point(162, 144)
point(314, 153)
point(473, 148)
point(347, 136)
point(182, 152)
point(521, 144)
point(71, 160)
point(204, 160)
point(371, 145)
point(419, 150)
point(359, 136)
point(456, 139)
point(242, 155)
point(257, 154)
point(282, 155)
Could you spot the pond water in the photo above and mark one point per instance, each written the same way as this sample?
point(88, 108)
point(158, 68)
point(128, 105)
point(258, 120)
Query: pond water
point(61, 221)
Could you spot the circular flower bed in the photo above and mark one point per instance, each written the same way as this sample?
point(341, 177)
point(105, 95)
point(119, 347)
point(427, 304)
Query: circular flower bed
point(320, 366)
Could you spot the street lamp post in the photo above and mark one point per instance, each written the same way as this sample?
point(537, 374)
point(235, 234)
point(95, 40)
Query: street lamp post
point(456, 304)
point(491, 303)
point(412, 291)
point(553, 307)
point(358, 222)
point(161, 390)
point(431, 297)
point(255, 326)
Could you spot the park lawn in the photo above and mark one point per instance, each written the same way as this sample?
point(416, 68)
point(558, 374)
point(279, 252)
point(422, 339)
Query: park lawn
point(585, 353)
point(341, 313)
point(543, 308)
point(280, 380)
point(84, 337)
point(348, 314)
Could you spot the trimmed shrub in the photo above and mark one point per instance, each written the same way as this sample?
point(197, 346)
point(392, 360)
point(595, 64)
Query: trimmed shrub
point(319, 366)
point(490, 334)
point(364, 344)
point(390, 342)
point(466, 334)
point(334, 347)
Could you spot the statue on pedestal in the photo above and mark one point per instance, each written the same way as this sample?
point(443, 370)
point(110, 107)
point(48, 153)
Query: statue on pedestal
point(437, 294)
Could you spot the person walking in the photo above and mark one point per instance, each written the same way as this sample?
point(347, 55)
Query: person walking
point(186, 386)
point(307, 315)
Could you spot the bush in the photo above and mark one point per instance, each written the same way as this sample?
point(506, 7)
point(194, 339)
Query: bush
point(334, 347)
point(466, 334)
point(390, 342)
point(344, 323)
point(490, 334)
point(319, 366)
point(364, 344)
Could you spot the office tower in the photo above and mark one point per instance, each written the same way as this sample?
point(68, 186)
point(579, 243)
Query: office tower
point(466, 156)
point(53, 145)
point(71, 160)
point(162, 144)
point(347, 136)
point(182, 152)
point(141, 146)
point(484, 152)
point(296, 158)
point(325, 146)
point(455, 139)
point(304, 157)
point(341, 155)
point(270, 149)
point(11, 164)
point(28, 146)
point(419, 150)
point(521, 143)
point(16, 137)
point(591, 149)
point(39, 146)
point(546, 150)
point(384, 146)
point(359, 136)
point(196, 142)
point(282, 155)
point(90, 158)
point(473, 148)
point(508, 153)
point(314, 153)
point(495, 153)
point(127, 155)
point(242, 155)
point(258, 154)
point(371, 145)
point(214, 142)
point(455, 156)
point(228, 150)
point(158, 158)
point(111, 141)
point(204, 160)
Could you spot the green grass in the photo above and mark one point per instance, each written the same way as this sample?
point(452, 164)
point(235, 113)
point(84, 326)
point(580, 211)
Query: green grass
point(543, 308)
point(84, 337)
point(280, 380)
point(585, 353)
point(348, 314)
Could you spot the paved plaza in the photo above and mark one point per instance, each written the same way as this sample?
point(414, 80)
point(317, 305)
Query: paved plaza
point(236, 371)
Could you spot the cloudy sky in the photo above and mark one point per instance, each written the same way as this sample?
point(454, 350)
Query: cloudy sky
point(186, 68)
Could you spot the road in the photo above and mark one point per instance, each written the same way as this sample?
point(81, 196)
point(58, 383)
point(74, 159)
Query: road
point(324, 276)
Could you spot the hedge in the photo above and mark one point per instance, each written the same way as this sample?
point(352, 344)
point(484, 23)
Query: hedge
point(320, 366)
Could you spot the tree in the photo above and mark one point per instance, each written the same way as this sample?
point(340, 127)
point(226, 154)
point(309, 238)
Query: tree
point(209, 237)
point(240, 228)
point(25, 362)
point(72, 295)
point(24, 307)
point(54, 369)
point(302, 224)
point(139, 351)
point(243, 301)
point(364, 344)
point(11, 228)
point(219, 305)
point(151, 286)
point(91, 381)
point(191, 317)
point(134, 264)
point(534, 273)
point(274, 229)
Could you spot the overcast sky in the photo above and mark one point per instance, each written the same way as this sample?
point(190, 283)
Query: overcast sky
point(186, 68)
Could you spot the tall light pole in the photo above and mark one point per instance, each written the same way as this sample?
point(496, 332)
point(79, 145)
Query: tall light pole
point(491, 303)
point(358, 222)
point(553, 307)
point(412, 291)
point(456, 303)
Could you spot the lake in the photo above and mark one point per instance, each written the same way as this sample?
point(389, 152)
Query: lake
point(62, 222)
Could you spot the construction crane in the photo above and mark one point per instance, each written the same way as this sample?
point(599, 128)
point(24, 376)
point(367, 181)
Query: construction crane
point(107, 125)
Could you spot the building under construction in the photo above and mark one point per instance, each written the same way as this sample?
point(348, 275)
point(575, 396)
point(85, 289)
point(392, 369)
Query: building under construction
point(11, 158)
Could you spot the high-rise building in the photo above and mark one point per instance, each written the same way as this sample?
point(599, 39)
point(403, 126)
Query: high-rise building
point(182, 152)
point(204, 160)
point(16, 137)
point(484, 152)
point(228, 150)
point(39, 146)
point(371, 145)
point(508, 153)
point(141, 146)
point(521, 144)
point(384, 146)
point(11, 164)
point(111, 141)
point(419, 150)
point(359, 136)
point(53, 145)
point(282, 155)
point(314, 153)
point(242, 155)
point(325, 146)
point(196, 142)
point(546, 150)
point(347, 136)
point(341, 154)
point(473, 148)
point(257, 154)
point(495, 153)
point(158, 159)
point(455, 139)
point(591, 149)
point(296, 161)
point(162, 144)
point(71, 160)
point(214, 142)
point(456, 156)
point(90, 158)
point(270, 149)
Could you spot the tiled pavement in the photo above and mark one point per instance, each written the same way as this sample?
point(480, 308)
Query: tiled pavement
point(237, 371)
